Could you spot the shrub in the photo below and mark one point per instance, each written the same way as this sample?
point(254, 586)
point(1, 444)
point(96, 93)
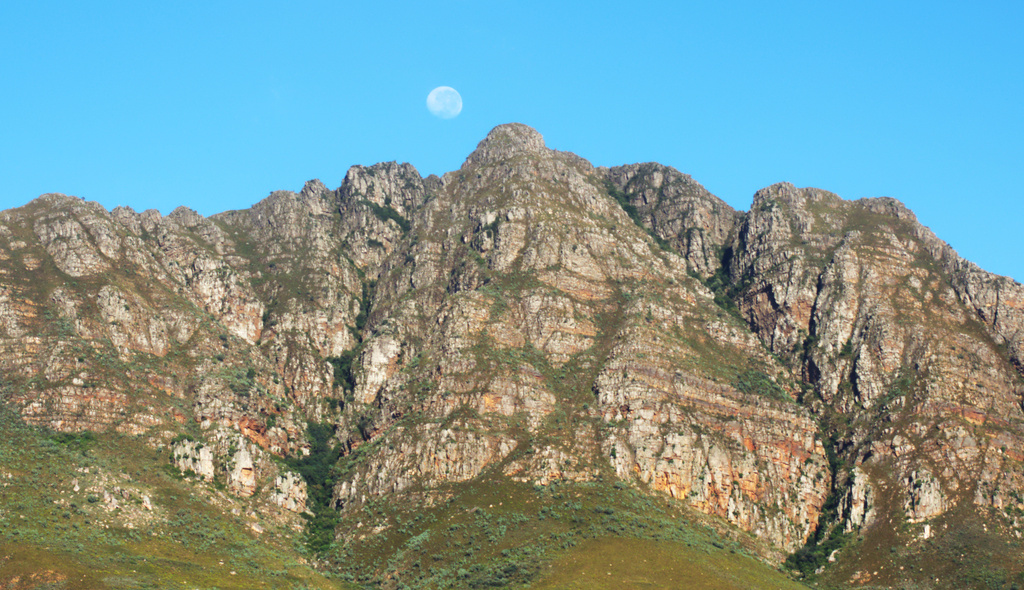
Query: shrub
point(75, 441)
point(343, 376)
point(758, 383)
point(385, 213)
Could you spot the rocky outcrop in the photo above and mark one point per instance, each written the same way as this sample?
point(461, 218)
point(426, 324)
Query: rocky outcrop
point(242, 472)
point(858, 505)
point(290, 492)
point(505, 143)
point(428, 455)
point(195, 457)
point(76, 235)
point(874, 311)
point(755, 463)
point(679, 211)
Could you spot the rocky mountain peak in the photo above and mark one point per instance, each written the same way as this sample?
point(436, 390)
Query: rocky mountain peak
point(387, 184)
point(889, 206)
point(799, 198)
point(507, 141)
point(53, 202)
point(185, 216)
point(314, 188)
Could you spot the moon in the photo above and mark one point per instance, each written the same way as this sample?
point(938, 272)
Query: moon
point(444, 102)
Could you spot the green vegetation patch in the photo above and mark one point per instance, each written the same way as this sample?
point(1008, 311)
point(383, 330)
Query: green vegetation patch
point(494, 532)
point(618, 563)
point(725, 292)
point(758, 383)
point(53, 536)
point(319, 469)
point(385, 213)
point(343, 375)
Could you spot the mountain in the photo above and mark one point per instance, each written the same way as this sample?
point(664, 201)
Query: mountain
point(492, 377)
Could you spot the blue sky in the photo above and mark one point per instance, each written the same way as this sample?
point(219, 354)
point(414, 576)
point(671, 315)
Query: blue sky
point(213, 105)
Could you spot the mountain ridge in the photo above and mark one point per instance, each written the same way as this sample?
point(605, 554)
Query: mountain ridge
point(803, 371)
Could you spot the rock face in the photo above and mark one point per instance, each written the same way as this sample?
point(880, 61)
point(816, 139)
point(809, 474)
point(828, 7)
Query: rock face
point(290, 492)
point(195, 457)
point(678, 210)
point(902, 353)
point(531, 299)
point(810, 367)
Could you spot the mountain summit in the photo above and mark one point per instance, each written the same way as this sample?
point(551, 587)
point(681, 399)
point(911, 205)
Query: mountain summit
point(460, 381)
point(505, 142)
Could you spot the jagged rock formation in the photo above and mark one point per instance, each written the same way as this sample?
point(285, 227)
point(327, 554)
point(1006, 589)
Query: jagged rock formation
point(680, 211)
point(540, 312)
point(803, 369)
point(891, 341)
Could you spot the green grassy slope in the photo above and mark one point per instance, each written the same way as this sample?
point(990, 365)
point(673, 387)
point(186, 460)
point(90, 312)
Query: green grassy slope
point(52, 536)
point(495, 532)
point(642, 564)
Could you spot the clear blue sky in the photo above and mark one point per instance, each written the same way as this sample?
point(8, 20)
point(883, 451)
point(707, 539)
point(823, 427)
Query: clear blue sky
point(214, 104)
